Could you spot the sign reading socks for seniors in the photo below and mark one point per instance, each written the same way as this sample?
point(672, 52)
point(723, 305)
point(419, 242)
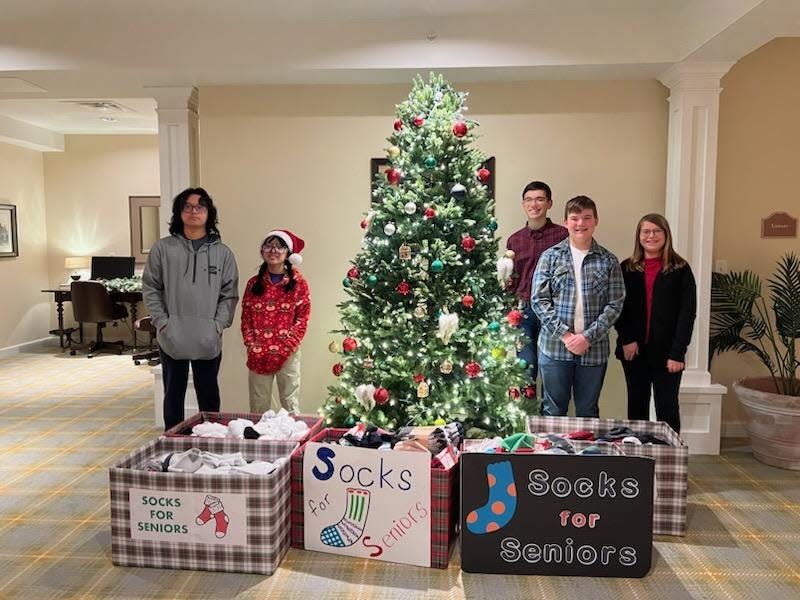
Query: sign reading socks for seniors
point(368, 503)
point(188, 517)
point(537, 514)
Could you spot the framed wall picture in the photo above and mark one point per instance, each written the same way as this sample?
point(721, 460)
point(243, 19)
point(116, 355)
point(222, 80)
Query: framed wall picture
point(379, 165)
point(8, 231)
point(144, 225)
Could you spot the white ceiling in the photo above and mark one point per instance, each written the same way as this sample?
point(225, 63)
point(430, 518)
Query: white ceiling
point(104, 50)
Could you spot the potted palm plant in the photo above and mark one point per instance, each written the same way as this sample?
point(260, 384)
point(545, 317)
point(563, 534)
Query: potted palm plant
point(742, 319)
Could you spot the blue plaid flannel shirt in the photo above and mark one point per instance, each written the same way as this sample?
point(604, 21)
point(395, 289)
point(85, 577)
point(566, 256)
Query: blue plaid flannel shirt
point(553, 300)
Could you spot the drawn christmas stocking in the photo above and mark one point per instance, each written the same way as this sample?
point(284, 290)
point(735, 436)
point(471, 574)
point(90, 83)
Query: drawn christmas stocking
point(351, 527)
point(502, 503)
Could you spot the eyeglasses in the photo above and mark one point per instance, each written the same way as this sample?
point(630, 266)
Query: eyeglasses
point(269, 248)
point(194, 208)
point(645, 233)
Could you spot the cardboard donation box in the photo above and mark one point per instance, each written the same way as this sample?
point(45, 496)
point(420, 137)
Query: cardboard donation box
point(672, 462)
point(210, 522)
point(545, 514)
point(382, 504)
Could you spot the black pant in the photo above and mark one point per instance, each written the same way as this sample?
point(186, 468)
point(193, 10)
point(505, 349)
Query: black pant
point(640, 377)
point(176, 376)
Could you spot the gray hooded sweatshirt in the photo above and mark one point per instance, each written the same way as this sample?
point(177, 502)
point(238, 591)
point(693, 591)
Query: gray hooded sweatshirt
point(192, 293)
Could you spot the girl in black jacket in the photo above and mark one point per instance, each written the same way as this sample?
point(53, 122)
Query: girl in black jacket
point(656, 323)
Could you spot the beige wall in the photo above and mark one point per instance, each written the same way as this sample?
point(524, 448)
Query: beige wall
point(298, 157)
point(23, 309)
point(87, 188)
point(759, 150)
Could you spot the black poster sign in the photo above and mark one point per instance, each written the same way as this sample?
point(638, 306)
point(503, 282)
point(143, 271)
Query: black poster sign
point(540, 514)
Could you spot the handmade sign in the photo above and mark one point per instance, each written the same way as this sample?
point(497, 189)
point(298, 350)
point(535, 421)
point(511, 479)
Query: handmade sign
point(368, 503)
point(536, 514)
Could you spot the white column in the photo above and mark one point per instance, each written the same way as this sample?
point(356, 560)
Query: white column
point(178, 142)
point(691, 187)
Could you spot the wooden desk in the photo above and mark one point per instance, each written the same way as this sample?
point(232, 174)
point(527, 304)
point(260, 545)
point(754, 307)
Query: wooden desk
point(61, 295)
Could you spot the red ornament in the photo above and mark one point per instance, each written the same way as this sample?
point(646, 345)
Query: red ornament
point(483, 174)
point(419, 378)
point(381, 395)
point(363, 223)
point(419, 121)
point(514, 318)
point(338, 368)
point(514, 393)
point(398, 124)
point(468, 301)
point(460, 129)
point(529, 391)
point(472, 369)
point(353, 273)
point(393, 176)
point(430, 213)
point(468, 243)
point(349, 344)
point(403, 288)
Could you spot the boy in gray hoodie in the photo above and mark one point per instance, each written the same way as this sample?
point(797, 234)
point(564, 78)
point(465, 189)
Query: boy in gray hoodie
point(190, 287)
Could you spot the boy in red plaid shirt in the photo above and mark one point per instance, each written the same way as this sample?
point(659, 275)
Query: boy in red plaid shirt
point(275, 311)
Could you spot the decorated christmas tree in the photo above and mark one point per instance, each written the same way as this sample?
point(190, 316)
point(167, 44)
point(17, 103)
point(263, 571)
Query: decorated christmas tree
point(429, 334)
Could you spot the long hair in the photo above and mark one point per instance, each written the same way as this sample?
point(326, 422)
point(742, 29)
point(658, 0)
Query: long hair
point(258, 286)
point(176, 223)
point(671, 260)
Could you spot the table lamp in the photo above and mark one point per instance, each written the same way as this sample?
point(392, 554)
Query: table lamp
point(73, 264)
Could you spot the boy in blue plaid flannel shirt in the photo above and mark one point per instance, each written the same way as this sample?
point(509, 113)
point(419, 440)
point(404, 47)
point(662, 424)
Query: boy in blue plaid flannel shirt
point(573, 343)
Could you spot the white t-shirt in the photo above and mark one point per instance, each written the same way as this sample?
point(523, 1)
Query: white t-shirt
point(577, 263)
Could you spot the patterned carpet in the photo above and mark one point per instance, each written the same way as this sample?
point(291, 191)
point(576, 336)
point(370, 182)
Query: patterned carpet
point(64, 420)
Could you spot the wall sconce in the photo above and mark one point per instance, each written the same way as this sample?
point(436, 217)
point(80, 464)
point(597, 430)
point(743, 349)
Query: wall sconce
point(73, 264)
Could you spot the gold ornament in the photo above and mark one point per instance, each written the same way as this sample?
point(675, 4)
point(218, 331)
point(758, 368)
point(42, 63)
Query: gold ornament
point(440, 422)
point(421, 311)
point(422, 390)
point(498, 352)
point(369, 363)
point(446, 367)
point(393, 151)
point(333, 347)
point(510, 254)
point(405, 252)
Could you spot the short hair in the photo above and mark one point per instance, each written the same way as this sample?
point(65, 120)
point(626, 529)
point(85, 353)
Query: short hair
point(176, 223)
point(579, 204)
point(538, 185)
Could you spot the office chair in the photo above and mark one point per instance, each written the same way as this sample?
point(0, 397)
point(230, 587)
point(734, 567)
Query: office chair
point(151, 355)
point(91, 303)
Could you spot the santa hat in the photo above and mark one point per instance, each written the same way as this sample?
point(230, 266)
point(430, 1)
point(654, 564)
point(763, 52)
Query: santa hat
point(294, 243)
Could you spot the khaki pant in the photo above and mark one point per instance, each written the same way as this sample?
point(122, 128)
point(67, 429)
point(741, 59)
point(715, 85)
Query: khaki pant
point(288, 379)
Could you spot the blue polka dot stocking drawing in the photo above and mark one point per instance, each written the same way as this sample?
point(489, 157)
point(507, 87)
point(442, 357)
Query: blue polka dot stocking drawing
point(502, 503)
point(351, 527)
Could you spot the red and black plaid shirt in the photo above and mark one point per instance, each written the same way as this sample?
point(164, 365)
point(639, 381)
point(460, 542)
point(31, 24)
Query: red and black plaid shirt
point(528, 245)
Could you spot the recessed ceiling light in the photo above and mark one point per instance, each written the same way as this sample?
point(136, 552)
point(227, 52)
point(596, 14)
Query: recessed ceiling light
point(108, 119)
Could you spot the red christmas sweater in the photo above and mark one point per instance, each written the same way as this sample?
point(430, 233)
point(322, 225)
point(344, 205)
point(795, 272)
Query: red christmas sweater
point(274, 323)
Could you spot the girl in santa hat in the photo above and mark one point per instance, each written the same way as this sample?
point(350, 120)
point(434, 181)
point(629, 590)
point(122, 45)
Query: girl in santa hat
point(275, 311)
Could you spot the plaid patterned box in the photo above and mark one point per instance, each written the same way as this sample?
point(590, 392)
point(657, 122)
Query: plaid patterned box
point(184, 428)
point(267, 508)
point(444, 502)
point(672, 462)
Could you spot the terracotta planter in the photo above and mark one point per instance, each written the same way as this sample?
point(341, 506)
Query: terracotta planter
point(772, 421)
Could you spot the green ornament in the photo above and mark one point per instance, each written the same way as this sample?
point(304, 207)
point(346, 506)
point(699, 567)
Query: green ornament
point(437, 266)
point(494, 326)
point(350, 422)
point(522, 363)
point(440, 421)
point(346, 282)
point(372, 280)
point(430, 162)
point(498, 352)
point(492, 225)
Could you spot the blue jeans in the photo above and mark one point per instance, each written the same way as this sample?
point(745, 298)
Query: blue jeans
point(564, 378)
point(531, 326)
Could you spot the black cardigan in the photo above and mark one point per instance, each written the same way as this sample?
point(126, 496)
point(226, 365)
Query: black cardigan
point(671, 318)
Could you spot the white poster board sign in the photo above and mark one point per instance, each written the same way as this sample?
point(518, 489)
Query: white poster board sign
point(368, 503)
point(191, 517)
